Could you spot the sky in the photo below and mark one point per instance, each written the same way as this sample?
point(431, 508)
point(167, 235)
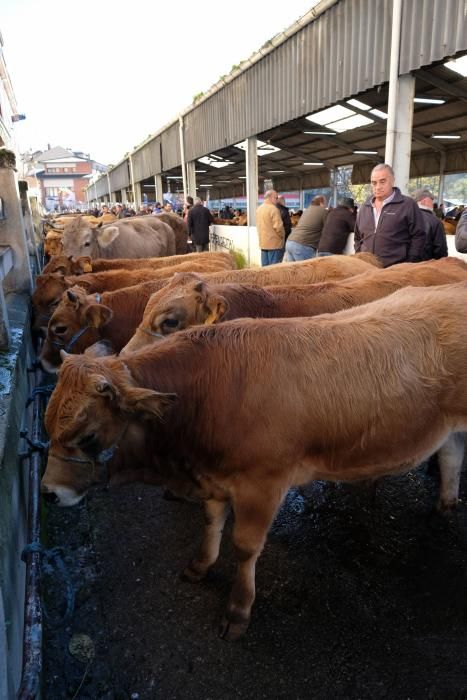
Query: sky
point(100, 76)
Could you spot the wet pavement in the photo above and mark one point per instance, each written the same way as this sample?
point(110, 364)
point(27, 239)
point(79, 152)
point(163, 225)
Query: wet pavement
point(356, 599)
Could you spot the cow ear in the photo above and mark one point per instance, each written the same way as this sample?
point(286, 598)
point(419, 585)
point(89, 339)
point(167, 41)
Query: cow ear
point(218, 307)
point(85, 284)
point(104, 387)
point(61, 269)
point(152, 403)
point(98, 315)
point(84, 264)
point(108, 235)
point(73, 297)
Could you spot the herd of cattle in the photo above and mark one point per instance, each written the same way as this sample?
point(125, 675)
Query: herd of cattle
point(231, 386)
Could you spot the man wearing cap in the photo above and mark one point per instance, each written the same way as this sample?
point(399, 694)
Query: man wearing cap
point(389, 224)
point(436, 246)
point(339, 223)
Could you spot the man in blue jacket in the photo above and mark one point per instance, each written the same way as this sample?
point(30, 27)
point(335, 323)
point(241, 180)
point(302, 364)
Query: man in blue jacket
point(389, 224)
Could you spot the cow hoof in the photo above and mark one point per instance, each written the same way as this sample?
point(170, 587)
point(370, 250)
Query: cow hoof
point(193, 574)
point(231, 631)
point(447, 507)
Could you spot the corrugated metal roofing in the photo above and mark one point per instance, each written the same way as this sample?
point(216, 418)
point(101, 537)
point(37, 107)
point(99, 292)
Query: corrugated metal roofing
point(102, 187)
point(431, 31)
point(170, 142)
point(343, 52)
point(120, 176)
point(147, 160)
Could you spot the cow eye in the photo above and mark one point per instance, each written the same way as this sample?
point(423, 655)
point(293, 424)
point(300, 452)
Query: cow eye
point(87, 440)
point(87, 243)
point(59, 330)
point(170, 322)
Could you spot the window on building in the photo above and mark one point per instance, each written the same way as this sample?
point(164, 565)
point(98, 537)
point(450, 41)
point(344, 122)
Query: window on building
point(51, 191)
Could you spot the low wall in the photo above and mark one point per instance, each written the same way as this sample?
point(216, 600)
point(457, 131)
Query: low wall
point(242, 238)
point(14, 391)
point(245, 239)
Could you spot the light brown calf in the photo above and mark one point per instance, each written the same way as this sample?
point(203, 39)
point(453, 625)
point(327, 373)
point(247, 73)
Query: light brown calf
point(50, 287)
point(175, 308)
point(71, 266)
point(240, 412)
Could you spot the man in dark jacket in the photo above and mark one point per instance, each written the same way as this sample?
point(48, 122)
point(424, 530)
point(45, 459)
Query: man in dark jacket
point(339, 223)
point(461, 233)
point(389, 224)
point(198, 220)
point(436, 246)
point(285, 216)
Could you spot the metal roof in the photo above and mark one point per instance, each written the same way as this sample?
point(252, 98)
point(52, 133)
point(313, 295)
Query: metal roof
point(340, 54)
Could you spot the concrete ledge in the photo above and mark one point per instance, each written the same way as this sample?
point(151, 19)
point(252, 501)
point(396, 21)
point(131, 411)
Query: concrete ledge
point(14, 391)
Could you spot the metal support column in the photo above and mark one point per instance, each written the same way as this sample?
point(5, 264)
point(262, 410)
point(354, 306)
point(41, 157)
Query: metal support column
point(133, 189)
point(403, 133)
point(159, 190)
point(191, 178)
point(182, 155)
point(393, 81)
point(108, 188)
point(442, 168)
point(251, 186)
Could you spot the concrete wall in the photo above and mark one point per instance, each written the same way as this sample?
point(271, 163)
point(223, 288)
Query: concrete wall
point(245, 239)
point(14, 391)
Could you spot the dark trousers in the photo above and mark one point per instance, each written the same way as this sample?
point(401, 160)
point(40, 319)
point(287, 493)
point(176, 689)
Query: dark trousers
point(202, 248)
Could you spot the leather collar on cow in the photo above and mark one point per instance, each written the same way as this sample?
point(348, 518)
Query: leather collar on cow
point(102, 458)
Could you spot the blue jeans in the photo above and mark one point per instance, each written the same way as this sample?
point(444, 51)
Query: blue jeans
point(271, 257)
point(297, 251)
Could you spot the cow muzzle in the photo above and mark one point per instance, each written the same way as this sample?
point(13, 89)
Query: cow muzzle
point(60, 495)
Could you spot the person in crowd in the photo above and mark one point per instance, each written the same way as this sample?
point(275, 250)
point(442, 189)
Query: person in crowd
point(270, 229)
point(143, 210)
point(340, 222)
point(461, 233)
point(168, 208)
point(389, 224)
point(187, 206)
point(120, 211)
point(438, 210)
point(435, 242)
point(303, 242)
point(226, 213)
point(104, 210)
point(157, 209)
point(285, 216)
point(198, 220)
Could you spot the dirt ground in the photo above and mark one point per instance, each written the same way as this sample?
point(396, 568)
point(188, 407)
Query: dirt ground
point(356, 599)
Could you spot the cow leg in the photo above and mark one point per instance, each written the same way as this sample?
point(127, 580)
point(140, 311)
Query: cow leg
point(451, 457)
point(254, 510)
point(215, 515)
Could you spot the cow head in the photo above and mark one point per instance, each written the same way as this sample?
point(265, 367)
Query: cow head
point(74, 325)
point(186, 301)
point(67, 265)
point(53, 242)
point(46, 297)
point(93, 412)
point(82, 237)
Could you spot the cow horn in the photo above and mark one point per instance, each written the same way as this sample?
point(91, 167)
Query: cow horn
point(64, 354)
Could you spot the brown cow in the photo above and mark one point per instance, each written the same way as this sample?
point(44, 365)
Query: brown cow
point(82, 319)
point(175, 308)
point(288, 409)
point(67, 265)
point(50, 287)
point(63, 318)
